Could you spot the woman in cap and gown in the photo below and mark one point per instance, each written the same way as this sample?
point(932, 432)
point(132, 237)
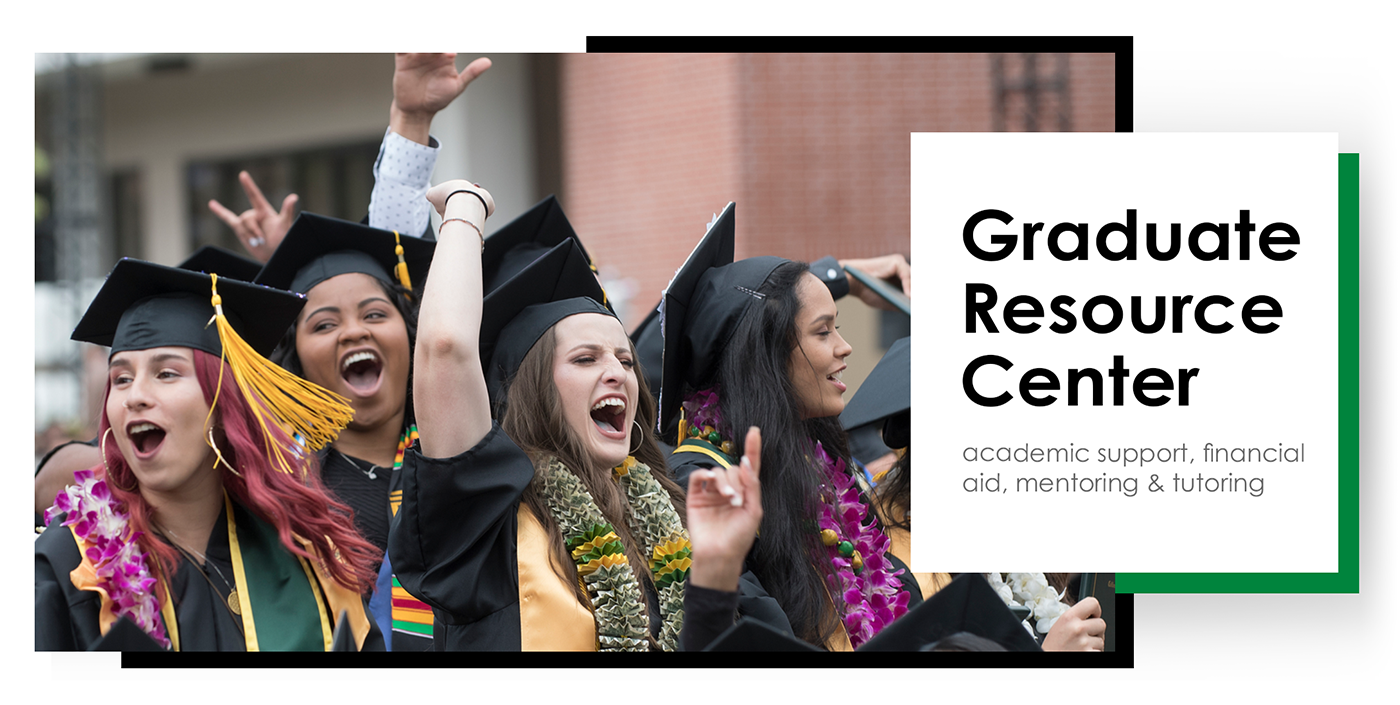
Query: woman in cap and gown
point(205, 526)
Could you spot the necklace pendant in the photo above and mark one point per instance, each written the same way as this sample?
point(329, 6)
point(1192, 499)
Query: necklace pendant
point(233, 603)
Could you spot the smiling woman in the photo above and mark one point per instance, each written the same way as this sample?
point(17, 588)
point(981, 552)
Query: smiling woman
point(754, 343)
point(356, 338)
point(205, 524)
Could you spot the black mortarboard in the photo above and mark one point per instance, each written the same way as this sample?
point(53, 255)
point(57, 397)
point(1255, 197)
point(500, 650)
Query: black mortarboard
point(968, 604)
point(515, 315)
point(523, 240)
point(223, 263)
point(884, 395)
point(144, 305)
point(702, 307)
point(317, 248)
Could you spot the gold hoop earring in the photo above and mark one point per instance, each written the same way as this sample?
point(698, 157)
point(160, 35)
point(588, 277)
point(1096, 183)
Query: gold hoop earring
point(107, 472)
point(219, 456)
point(641, 433)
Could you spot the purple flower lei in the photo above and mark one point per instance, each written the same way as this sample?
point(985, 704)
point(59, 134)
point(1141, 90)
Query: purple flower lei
point(873, 598)
point(702, 409)
point(97, 519)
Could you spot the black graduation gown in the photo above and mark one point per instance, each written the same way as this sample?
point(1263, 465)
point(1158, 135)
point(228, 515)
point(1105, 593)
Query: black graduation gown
point(368, 498)
point(454, 545)
point(66, 618)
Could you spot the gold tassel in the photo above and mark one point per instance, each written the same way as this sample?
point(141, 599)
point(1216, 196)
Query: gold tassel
point(295, 405)
point(401, 269)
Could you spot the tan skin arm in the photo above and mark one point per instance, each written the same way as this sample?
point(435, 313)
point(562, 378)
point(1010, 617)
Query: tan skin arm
point(450, 401)
point(57, 473)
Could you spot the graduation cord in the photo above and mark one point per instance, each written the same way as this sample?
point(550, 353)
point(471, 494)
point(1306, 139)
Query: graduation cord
point(232, 603)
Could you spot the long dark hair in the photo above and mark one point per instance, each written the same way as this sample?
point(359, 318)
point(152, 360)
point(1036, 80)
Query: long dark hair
point(754, 383)
point(532, 415)
point(405, 301)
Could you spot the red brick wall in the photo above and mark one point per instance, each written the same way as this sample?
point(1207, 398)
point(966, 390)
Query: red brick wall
point(650, 146)
point(813, 148)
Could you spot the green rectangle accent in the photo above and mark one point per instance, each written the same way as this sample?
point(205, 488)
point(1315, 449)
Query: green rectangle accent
point(1347, 579)
point(424, 629)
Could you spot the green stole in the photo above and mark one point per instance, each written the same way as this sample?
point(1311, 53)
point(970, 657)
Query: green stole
point(272, 583)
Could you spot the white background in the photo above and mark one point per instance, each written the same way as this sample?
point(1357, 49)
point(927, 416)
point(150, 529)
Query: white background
point(1252, 390)
point(1198, 67)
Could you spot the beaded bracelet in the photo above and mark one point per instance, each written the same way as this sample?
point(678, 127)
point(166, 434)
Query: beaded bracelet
point(468, 222)
point(484, 210)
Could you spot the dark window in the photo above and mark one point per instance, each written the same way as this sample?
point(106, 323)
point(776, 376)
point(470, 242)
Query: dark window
point(334, 181)
point(1031, 92)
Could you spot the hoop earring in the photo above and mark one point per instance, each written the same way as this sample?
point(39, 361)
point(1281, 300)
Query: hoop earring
point(102, 448)
point(641, 433)
point(219, 456)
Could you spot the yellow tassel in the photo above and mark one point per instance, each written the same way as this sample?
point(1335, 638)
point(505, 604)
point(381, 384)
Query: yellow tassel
point(275, 395)
point(401, 269)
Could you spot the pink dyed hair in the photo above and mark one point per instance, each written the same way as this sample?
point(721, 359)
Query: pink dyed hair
point(298, 505)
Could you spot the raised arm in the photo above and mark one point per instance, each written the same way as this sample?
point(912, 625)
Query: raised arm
point(424, 84)
point(449, 388)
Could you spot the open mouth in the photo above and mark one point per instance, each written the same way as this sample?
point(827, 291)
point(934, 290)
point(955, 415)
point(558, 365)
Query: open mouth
point(836, 380)
point(146, 437)
point(361, 371)
point(610, 415)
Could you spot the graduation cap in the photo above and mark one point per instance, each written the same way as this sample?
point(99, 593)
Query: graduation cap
point(144, 305)
point(523, 240)
point(223, 263)
point(968, 604)
point(317, 248)
point(702, 307)
point(884, 395)
point(514, 316)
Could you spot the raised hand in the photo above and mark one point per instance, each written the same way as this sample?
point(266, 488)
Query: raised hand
point(886, 267)
point(260, 228)
point(1078, 629)
point(425, 84)
point(723, 509)
point(439, 196)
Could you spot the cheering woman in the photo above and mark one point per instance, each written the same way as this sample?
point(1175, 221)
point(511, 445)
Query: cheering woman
point(553, 526)
point(206, 525)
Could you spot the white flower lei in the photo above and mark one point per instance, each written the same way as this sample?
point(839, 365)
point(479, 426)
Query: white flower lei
point(1032, 591)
